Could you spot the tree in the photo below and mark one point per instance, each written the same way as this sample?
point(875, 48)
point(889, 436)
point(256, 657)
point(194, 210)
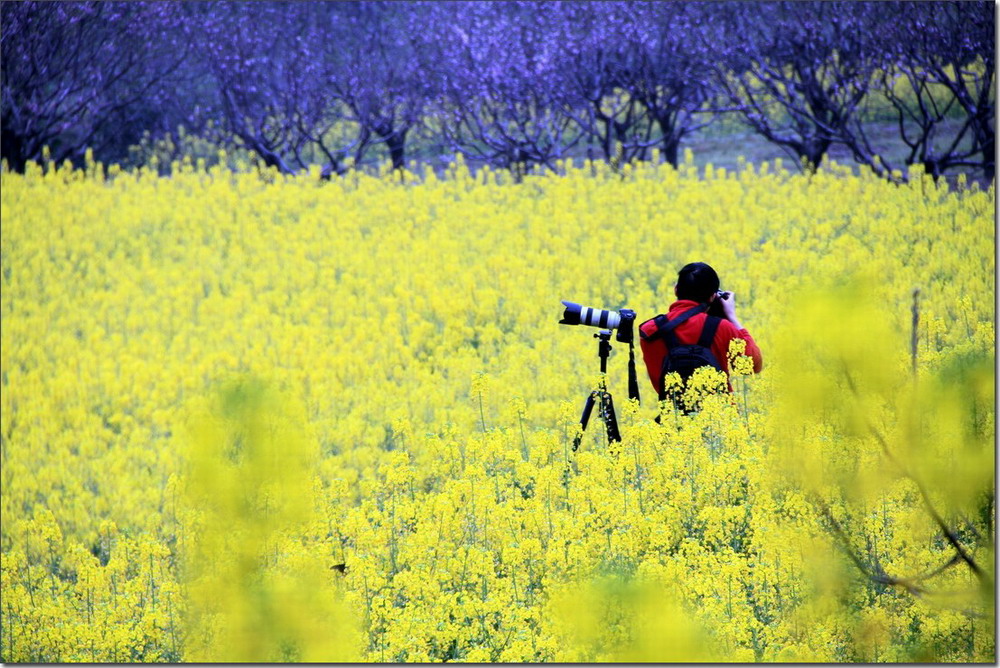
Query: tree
point(296, 80)
point(378, 70)
point(593, 66)
point(262, 70)
point(83, 75)
point(895, 454)
point(939, 65)
point(666, 69)
point(797, 72)
point(498, 86)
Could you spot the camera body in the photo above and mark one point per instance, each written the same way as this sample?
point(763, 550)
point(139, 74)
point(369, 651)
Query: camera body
point(715, 308)
point(622, 321)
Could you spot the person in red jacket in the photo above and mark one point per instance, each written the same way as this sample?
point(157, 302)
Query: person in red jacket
point(697, 289)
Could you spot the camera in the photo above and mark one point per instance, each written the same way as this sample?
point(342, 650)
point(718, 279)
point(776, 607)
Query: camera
point(585, 315)
point(715, 308)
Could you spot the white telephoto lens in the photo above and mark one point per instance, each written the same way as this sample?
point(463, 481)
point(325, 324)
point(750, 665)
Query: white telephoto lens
point(596, 317)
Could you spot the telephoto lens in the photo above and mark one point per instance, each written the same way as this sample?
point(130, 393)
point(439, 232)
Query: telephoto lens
point(585, 315)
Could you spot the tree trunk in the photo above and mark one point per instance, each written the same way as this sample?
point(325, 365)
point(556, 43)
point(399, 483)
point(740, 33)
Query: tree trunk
point(13, 149)
point(671, 148)
point(671, 142)
point(606, 139)
point(934, 167)
point(272, 159)
point(363, 139)
point(813, 150)
point(989, 155)
point(396, 142)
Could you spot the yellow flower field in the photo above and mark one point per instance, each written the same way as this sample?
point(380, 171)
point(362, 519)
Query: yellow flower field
point(248, 417)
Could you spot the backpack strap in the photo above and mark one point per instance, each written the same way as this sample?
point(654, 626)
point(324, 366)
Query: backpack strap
point(665, 328)
point(708, 331)
point(660, 321)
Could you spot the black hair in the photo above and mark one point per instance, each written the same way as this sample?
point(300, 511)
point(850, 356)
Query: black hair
point(697, 281)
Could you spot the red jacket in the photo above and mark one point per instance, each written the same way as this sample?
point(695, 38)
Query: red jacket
point(688, 332)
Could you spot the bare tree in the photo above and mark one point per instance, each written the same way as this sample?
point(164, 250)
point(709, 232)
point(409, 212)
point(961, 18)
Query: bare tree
point(593, 61)
point(511, 83)
point(797, 72)
point(377, 69)
point(498, 86)
point(75, 75)
point(261, 67)
point(667, 69)
point(939, 63)
point(961, 534)
point(303, 79)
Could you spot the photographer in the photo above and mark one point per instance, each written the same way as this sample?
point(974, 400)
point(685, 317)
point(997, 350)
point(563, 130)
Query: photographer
point(695, 331)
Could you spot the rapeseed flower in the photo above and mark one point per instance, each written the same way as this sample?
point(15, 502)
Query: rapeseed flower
point(404, 469)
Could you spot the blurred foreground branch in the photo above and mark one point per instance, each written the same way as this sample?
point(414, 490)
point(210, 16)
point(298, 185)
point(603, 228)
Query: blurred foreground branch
point(924, 495)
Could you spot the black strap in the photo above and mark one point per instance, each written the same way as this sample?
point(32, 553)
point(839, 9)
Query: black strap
point(633, 380)
point(666, 327)
point(708, 331)
point(660, 321)
point(671, 336)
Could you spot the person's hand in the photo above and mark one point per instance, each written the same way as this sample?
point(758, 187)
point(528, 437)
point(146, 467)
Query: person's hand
point(729, 309)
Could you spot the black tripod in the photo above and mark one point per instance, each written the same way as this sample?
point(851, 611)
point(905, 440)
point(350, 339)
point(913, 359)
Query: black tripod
point(602, 397)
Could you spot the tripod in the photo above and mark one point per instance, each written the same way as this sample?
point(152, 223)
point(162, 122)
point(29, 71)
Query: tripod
point(602, 397)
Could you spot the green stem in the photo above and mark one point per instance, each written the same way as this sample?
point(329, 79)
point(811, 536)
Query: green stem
point(524, 442)
point(482, 415)
point(746, 406)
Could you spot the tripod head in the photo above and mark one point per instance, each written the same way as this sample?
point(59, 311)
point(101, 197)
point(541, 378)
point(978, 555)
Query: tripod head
point(603, 347)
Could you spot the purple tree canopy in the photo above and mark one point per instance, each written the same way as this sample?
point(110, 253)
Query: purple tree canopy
point(496, 82)
point(668, 70)
point(594, 51)
point(945, 55)
point(83, 74)
point(275, 79)
point(797, 72)
point(510, 83)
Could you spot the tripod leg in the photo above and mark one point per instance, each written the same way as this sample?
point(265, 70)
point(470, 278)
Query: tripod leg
point(610, 420)
point(587, 409)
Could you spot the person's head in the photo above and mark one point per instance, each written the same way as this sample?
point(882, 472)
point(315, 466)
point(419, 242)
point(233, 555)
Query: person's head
point(698, 282)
